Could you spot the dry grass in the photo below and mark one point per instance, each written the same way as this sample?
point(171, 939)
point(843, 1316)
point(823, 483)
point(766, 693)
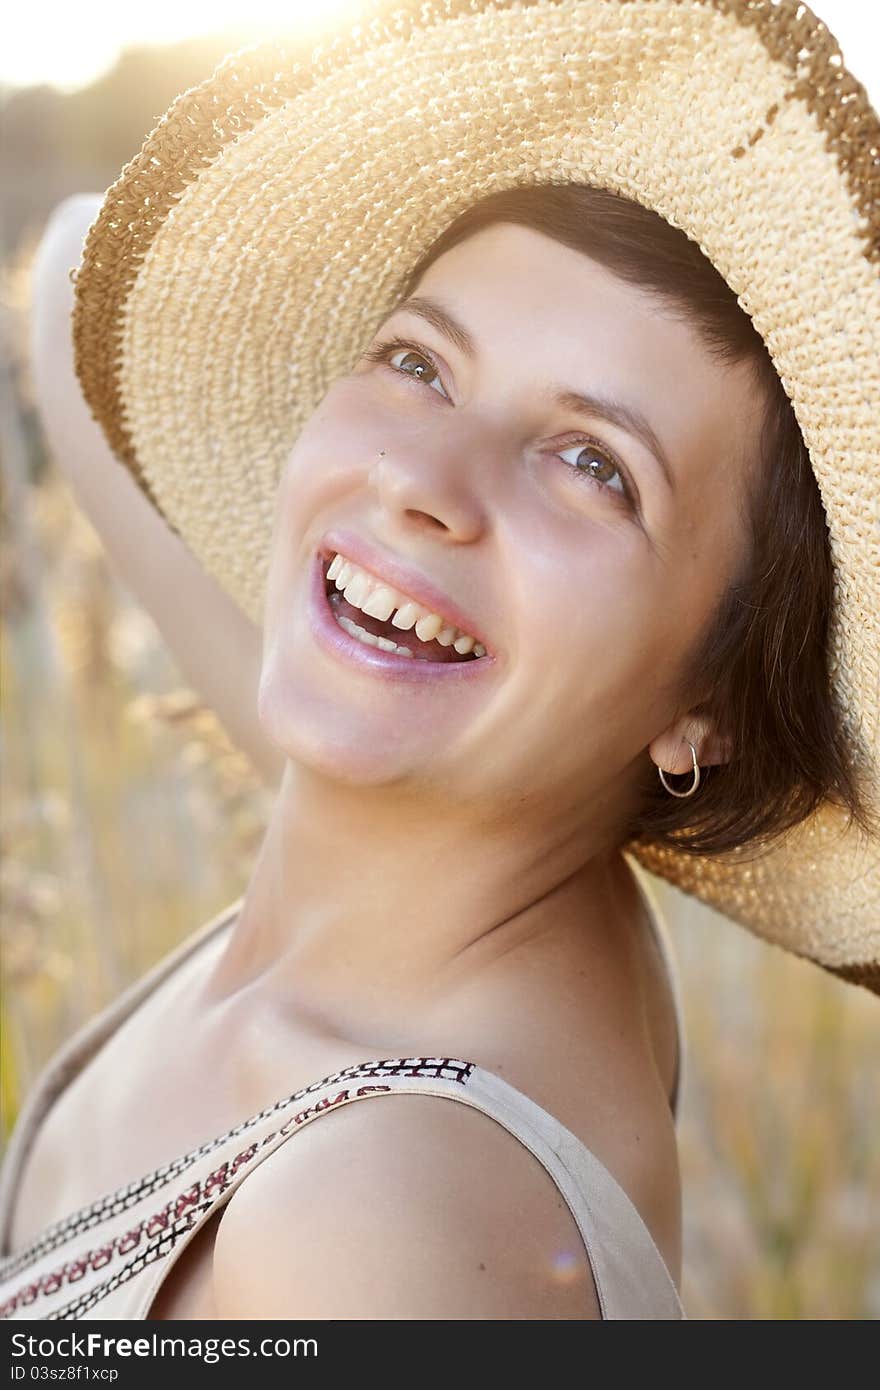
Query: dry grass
point(779, 1129)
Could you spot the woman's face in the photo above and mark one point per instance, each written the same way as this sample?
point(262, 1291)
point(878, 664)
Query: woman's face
point(587, 567)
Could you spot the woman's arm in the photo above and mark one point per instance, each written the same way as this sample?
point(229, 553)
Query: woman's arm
point(218, 649)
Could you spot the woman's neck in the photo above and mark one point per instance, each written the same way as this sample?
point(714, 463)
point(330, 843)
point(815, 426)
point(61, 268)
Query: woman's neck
point(365, 902)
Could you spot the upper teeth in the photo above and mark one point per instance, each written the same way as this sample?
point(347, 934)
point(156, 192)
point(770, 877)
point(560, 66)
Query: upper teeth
point(362, 590)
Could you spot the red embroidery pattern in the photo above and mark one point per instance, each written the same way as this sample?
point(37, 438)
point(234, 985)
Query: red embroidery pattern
point(157, 1234)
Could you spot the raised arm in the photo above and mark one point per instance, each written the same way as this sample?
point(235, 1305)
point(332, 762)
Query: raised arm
point(216, 646)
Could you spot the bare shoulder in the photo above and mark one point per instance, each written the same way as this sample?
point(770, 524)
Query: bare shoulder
point(403, 1207)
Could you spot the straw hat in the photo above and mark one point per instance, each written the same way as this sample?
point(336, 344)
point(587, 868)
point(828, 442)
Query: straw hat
point(244, 257)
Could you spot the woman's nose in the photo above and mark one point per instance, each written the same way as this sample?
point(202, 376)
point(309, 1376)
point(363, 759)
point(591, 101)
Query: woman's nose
point(438, 485)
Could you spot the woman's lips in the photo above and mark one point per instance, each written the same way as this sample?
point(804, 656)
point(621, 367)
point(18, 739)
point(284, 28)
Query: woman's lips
point(386, 665)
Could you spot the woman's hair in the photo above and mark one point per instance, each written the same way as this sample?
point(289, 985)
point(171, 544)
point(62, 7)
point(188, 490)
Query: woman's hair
point(762, 660)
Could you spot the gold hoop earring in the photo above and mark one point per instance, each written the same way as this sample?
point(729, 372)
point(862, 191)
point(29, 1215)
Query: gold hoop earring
point(692, 789)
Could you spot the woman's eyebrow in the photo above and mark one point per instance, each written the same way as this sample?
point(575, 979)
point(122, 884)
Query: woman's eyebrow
point(439, 318)
point(625, 417)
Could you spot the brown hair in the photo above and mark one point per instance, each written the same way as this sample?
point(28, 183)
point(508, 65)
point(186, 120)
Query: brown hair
point(762, 662)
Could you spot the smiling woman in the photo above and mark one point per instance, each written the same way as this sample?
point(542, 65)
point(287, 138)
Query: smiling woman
point(571, 508)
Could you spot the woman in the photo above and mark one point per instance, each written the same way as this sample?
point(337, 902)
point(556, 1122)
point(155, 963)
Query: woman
point(514, 488)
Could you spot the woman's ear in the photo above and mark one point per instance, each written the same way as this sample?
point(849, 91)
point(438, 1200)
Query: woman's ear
point(670, 751)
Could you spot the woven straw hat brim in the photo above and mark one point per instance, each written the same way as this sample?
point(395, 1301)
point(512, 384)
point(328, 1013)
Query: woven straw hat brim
point(245, 257)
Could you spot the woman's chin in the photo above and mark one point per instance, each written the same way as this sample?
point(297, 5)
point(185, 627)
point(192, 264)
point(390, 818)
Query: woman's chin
point(346, 746)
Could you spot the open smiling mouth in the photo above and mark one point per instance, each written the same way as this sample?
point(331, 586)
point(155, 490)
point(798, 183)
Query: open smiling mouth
point(403, 642)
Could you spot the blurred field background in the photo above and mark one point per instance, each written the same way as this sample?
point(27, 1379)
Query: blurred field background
point(128, 819)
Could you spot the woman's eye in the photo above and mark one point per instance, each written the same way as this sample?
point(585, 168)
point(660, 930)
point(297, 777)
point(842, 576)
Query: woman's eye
point(407, 360)
point(413, 363)
point(591, 464)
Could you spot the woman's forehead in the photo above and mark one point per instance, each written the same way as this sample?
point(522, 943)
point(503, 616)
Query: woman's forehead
point(507, 272)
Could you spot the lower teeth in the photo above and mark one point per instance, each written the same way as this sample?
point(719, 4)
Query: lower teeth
point(369, 639)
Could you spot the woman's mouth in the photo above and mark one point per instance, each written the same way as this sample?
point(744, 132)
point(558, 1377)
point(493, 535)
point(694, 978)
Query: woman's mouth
point(382, 645)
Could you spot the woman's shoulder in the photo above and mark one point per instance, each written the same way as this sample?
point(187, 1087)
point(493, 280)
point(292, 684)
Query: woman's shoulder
point(406, 1207)
point(410, 1206)
point(419, 1199)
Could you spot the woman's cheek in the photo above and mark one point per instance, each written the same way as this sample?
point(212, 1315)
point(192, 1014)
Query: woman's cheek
point(341, 440)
